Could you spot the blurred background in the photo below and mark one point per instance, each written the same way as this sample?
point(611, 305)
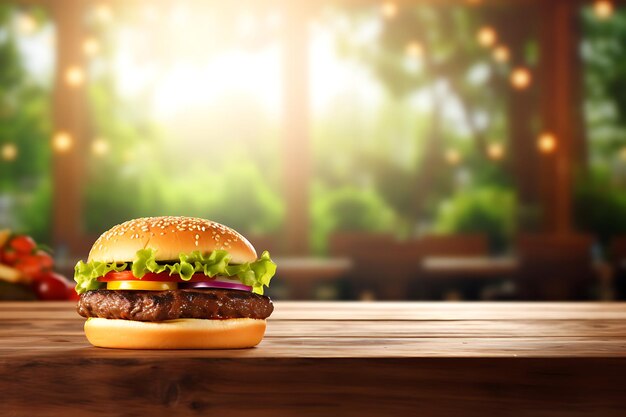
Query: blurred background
point(441, 150)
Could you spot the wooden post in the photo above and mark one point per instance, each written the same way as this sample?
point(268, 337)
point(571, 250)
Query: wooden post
point(70, 116)
point(559, 81)
point(521, 107)
point(296, 149)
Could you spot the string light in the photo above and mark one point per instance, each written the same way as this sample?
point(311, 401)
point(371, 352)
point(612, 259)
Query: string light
point(520, 78)
point(495, 151)
point(414, 49)
point(546, 143)
point(100, 147)
point(74, 76)
point(91, 46)
point(389, 9)
point(103, 12)
point(603, 9)
point(62, 142)
point(487, 36)
point(452, 156)
point(9, 152)
point(26, 24)
point(501, 53)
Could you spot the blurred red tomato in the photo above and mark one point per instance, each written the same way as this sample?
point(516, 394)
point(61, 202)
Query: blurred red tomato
point(29, 265)
point(8, 257)
point(45, 260)
point(23, 244)
point(51, 286)
point(72, 295)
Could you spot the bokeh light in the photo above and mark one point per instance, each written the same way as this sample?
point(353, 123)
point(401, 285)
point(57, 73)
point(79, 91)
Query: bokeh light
point(8, 152)
point(546, 143)
point(62, 142)
point(74, 76)
point(487, 36)
point(520, 78)
point(603, 9)
point(501, 53)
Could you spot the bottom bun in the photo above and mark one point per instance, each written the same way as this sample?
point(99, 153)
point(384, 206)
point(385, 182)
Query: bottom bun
point(175, 334)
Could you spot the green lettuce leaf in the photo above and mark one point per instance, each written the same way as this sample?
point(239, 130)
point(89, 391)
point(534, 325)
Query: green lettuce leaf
point(256, 274)
point(86, 274)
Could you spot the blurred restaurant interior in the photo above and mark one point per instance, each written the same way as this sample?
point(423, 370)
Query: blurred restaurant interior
point(380, 150)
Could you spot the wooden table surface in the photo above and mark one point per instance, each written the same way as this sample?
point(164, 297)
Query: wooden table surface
point(458, 359)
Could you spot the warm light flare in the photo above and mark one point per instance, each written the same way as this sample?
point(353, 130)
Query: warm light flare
point(74, 76)
point(603, 9)
point(100, 147)
point(389, 9)
point(501, 53)
point(415, 49)
point(487, 36)
point(91, 46)
point(8, 152)
point(495, 151)
point(520, 78)
point(103, 12)
point(546, 143)
point(452, 156)
point(62, 142)
point(26, 24)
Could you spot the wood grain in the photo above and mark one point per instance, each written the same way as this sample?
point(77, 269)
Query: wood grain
point(463, 359)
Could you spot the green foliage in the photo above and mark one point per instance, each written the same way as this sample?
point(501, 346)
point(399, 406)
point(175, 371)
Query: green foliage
point(604, 58)
point(25, 121)
point(600, 206)
point(347, 209)
point(487, 209)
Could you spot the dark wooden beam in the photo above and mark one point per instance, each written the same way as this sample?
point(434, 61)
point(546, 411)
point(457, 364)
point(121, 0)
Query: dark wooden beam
point(559, 79)
point(70, 116)
point(296, 147)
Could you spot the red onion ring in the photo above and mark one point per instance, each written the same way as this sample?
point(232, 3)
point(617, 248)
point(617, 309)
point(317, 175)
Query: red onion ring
point(216, 284)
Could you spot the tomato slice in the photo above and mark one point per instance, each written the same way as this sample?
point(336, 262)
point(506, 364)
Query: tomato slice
point(142, 285)
point(150, 276)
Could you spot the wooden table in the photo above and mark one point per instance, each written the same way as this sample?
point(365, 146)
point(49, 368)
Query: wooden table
point(331, 359)
point(487, 267)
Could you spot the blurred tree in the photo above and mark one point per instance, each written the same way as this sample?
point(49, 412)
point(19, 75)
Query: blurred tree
point(25, 124)
point(429, 52)
point(487, 209)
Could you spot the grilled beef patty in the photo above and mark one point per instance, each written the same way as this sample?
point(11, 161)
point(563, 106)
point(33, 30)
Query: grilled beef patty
point(176, 304)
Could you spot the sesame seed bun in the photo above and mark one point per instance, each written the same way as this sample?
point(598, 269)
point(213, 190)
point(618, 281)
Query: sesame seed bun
point(170, 236)
point(175, 334)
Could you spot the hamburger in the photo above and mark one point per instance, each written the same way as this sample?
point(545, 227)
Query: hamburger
point(174, 283)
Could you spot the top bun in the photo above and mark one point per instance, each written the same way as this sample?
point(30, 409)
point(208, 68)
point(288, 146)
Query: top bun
point(170, 236)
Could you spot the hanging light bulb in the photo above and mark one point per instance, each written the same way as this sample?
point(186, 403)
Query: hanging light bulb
point(546, 143)
point(26, 24)
point(501, 53)
point(487, 36)
point(452, 156)
point(414, 49)
point(495, 151)
point(100, 147)
point(603, 9)
point(389, 9)
point(8, 152)
point(103, 12)
point(62, 142)
point(91, 46)
point(520, 78)
point(74, 76)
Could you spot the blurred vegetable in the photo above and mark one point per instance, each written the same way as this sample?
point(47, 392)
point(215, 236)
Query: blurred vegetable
point(52, 286)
